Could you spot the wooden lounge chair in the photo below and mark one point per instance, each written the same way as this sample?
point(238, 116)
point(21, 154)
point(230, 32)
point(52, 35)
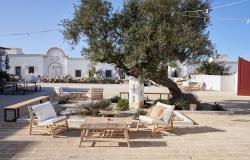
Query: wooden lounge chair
point(95, 94)
point(60, 95)
point(159, 119)
point(43, 116)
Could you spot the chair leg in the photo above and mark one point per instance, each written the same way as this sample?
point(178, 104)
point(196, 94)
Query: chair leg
point(127, 136)
point(172, 125)
point(67, 125)
point(153, 129)
point(30, 130)
point(138, 125)
point(52, 131)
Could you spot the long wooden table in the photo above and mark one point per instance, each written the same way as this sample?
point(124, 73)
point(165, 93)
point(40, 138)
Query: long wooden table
point(148, 93)
point(103, 129)
point(15, 107)
point(23, 85)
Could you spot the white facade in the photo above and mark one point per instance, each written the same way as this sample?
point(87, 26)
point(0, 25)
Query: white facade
point(227, 83)
point(184, 70)
point(54, 64)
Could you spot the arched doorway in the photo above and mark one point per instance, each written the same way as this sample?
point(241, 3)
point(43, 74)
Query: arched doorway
point(55, 70)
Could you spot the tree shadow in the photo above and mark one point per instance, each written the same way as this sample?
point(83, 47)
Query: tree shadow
point(195, 130)
point(141, 138)
point(11, 149)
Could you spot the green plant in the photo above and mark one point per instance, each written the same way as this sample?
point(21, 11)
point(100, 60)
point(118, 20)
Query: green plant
point(123, 104)
point(217, 107)
point(93, 109)
point(4, 76)
point(213, 68)
point(140, 112)
point(184, 101)
point(115, 99)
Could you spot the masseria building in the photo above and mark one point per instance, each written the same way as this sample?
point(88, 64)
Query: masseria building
point(54, 64)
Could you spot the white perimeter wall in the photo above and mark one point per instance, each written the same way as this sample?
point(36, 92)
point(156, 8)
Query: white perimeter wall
point(218, 83)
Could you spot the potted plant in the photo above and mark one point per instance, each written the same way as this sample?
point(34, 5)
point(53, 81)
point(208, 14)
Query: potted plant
point(193, 107)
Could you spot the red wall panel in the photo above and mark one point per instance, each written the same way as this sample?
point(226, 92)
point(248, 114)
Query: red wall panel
point(243, 77)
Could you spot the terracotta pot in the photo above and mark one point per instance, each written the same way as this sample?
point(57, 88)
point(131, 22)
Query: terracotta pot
point(193, 107)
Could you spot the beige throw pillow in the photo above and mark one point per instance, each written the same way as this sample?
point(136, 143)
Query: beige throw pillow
point(156, 112)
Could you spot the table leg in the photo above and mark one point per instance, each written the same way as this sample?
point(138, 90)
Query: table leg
point(127, 136)
point(83, 132)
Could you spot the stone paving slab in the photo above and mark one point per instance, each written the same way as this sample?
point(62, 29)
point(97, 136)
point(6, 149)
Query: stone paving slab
point(216, 137)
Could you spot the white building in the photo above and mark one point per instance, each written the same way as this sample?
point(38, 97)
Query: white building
point(184, 70)
point(55, 64)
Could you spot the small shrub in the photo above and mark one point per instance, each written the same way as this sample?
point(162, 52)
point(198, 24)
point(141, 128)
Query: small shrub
point(123, 104)
point(184, 101)
point(93, 109)
point(217, 107)
point(140, 112)
point(115, 99)
point(4, 76)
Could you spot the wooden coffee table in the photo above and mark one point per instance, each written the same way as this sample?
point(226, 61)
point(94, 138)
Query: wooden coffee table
point(100, 129)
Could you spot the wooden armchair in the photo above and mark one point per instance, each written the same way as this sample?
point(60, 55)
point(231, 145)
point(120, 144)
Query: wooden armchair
point(43, 117)
point(159, 119)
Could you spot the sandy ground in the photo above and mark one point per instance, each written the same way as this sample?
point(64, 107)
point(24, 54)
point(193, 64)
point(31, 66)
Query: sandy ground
point(215, 137)
point(228, 98)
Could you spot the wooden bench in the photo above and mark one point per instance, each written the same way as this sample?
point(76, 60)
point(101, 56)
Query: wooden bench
point(15, 107)
point(148, 93)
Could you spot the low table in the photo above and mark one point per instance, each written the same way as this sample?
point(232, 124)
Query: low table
point(102, 129)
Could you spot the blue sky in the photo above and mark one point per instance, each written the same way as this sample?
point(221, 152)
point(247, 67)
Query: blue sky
point(232, 36)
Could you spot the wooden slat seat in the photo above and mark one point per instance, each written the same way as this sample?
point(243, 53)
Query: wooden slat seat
point(15, 107)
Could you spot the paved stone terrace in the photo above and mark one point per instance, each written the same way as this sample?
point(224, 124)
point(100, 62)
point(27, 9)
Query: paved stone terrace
point(216, 137)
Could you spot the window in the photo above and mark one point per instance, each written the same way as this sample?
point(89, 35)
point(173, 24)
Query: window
point(78, 73)
point(31, 69)
point(108, 73)
point(18, 71)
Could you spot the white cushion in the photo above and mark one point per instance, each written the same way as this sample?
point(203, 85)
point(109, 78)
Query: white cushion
point(146, 119)
point(65, 94)
point(52, 120)
point(44, 111)
point(149, 120)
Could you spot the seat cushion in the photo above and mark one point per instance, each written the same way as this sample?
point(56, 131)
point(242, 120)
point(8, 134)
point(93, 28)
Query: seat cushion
point(157, 112)
point(146, 119)
point(65, 94)
point(52, 120)
point(149, 120)
point(44, 111)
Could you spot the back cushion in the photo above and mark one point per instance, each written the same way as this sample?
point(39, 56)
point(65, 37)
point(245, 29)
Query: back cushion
point(156, 112)
point(44, 111)
point(167, 114)
point(168, 110)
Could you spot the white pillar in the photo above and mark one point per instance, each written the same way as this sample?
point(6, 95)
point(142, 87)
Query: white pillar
point(136, 93)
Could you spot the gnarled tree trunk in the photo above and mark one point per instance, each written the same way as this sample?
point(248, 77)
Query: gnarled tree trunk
point(161, 77)
point(171, 85)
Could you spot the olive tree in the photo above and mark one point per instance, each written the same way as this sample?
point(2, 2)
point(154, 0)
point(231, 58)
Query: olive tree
point(144, 37)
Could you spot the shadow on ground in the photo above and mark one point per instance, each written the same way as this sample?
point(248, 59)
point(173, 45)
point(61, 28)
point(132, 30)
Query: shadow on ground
point(239, 106)
point(195, 130)
point(142, 138)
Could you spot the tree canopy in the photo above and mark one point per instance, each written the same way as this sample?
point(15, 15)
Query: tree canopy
point(144, 37)
point(213, 68)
